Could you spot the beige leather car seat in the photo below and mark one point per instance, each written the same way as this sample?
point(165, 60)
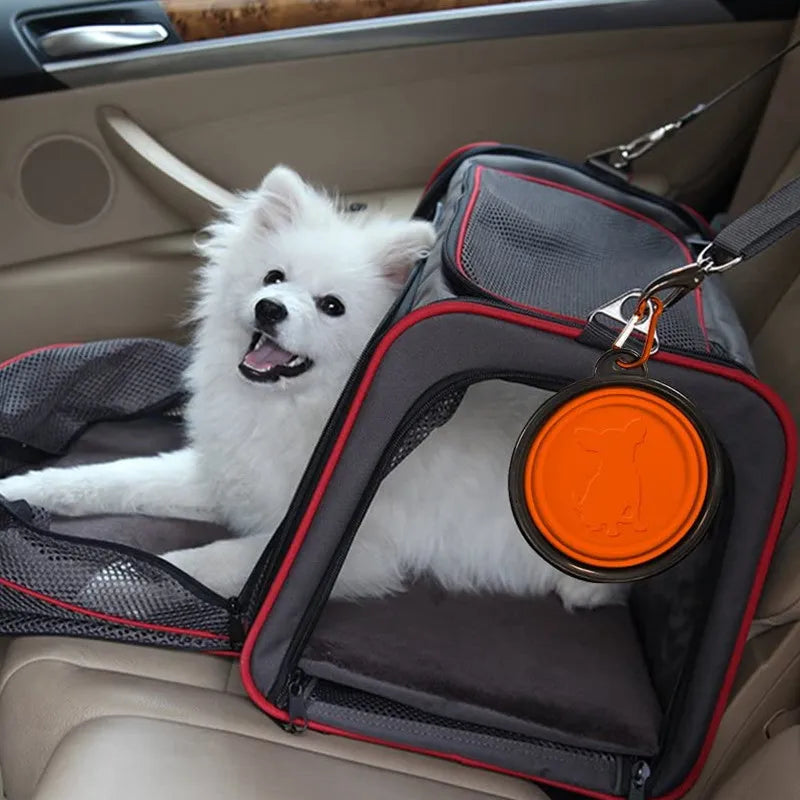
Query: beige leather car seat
point(772, 773)
point(144, 758)
point(77, 712)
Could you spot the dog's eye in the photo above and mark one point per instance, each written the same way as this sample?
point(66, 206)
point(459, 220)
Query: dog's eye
point(274, 276)
point(330, 305)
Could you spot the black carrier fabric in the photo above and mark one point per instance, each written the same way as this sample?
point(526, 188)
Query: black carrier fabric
point(80, 577)
point(594, 701)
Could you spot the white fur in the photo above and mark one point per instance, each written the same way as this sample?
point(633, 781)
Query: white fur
point(444, 511)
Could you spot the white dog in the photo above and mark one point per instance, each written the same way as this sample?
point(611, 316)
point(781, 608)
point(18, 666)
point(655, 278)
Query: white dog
point(290, 294)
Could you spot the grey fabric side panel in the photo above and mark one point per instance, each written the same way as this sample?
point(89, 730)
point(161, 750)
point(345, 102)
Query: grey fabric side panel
point(723, 325)
point(495, 345)
point(573, 768)
point(756, 450)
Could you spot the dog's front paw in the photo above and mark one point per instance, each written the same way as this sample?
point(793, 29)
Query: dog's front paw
point(61, 491)
point(29, 487)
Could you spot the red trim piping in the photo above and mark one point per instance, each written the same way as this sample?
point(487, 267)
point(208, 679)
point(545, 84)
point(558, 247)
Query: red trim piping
point(701, 315)
point(442, 165)
point(790, 464)
point(753, 384)
point(13, 360)
point(108, 617)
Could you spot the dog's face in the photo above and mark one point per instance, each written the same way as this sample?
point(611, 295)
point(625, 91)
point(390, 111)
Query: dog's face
point(293, 288)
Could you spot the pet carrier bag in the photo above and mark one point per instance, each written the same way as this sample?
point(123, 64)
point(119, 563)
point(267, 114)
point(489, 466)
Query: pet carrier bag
point(537, 270)
point(619, 701)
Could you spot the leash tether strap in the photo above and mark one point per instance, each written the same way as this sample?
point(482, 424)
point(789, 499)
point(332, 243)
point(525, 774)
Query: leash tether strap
point(620, 156)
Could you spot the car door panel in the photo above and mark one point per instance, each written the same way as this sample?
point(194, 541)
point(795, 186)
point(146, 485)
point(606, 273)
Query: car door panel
point(374, 121)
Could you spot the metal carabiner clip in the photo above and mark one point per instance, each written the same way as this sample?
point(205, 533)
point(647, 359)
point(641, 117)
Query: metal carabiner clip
point(676, 283)
point(621, 155)
point(683, 280)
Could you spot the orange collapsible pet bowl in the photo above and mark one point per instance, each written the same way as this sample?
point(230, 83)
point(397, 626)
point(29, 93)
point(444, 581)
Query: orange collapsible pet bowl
point(615, 478)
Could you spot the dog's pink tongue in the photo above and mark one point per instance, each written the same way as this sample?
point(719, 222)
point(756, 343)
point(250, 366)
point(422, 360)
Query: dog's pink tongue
point(267, 355)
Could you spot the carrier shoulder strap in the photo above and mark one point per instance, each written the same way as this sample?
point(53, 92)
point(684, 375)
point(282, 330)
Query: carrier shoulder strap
point(759, 227)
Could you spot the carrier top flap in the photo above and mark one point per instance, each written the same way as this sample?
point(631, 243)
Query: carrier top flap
point(48, 396)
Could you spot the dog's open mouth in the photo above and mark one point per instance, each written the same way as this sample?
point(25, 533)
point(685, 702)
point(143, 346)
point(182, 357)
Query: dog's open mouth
point(266, 361)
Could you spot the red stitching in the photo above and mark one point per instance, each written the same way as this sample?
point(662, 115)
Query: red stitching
point(108, 617)
point(442, 165)
point(13, 360)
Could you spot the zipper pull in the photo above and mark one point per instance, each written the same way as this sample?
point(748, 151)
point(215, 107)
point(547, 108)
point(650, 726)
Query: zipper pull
point(298, 719)
point(640, 774)
point(236, 632)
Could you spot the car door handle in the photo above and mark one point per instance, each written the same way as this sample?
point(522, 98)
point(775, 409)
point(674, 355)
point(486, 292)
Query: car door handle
point(81, 40)
point(193, 196)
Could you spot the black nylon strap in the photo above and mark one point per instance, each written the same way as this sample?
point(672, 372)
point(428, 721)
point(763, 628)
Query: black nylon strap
point(759, 227)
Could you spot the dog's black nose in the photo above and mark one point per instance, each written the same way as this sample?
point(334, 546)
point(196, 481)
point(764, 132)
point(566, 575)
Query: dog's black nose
point(268, 312)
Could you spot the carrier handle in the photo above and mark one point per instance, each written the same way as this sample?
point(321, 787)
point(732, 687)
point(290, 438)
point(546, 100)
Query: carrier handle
point(748, 235)
point(759, 227)
point(620, 157)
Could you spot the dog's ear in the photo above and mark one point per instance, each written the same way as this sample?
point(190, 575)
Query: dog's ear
point(281, 196)
point(402, 244)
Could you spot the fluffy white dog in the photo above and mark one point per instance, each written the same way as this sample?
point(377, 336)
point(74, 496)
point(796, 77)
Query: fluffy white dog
point(290, 294)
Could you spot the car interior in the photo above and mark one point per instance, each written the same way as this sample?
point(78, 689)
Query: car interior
point(125, 125)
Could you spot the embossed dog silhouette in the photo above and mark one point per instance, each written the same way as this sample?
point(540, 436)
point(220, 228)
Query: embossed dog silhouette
point(613, 494)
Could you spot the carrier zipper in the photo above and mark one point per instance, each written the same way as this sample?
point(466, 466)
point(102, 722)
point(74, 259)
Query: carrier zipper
point(298, 690)
point(320, 597)
point(236, 628)
point(640, 774)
